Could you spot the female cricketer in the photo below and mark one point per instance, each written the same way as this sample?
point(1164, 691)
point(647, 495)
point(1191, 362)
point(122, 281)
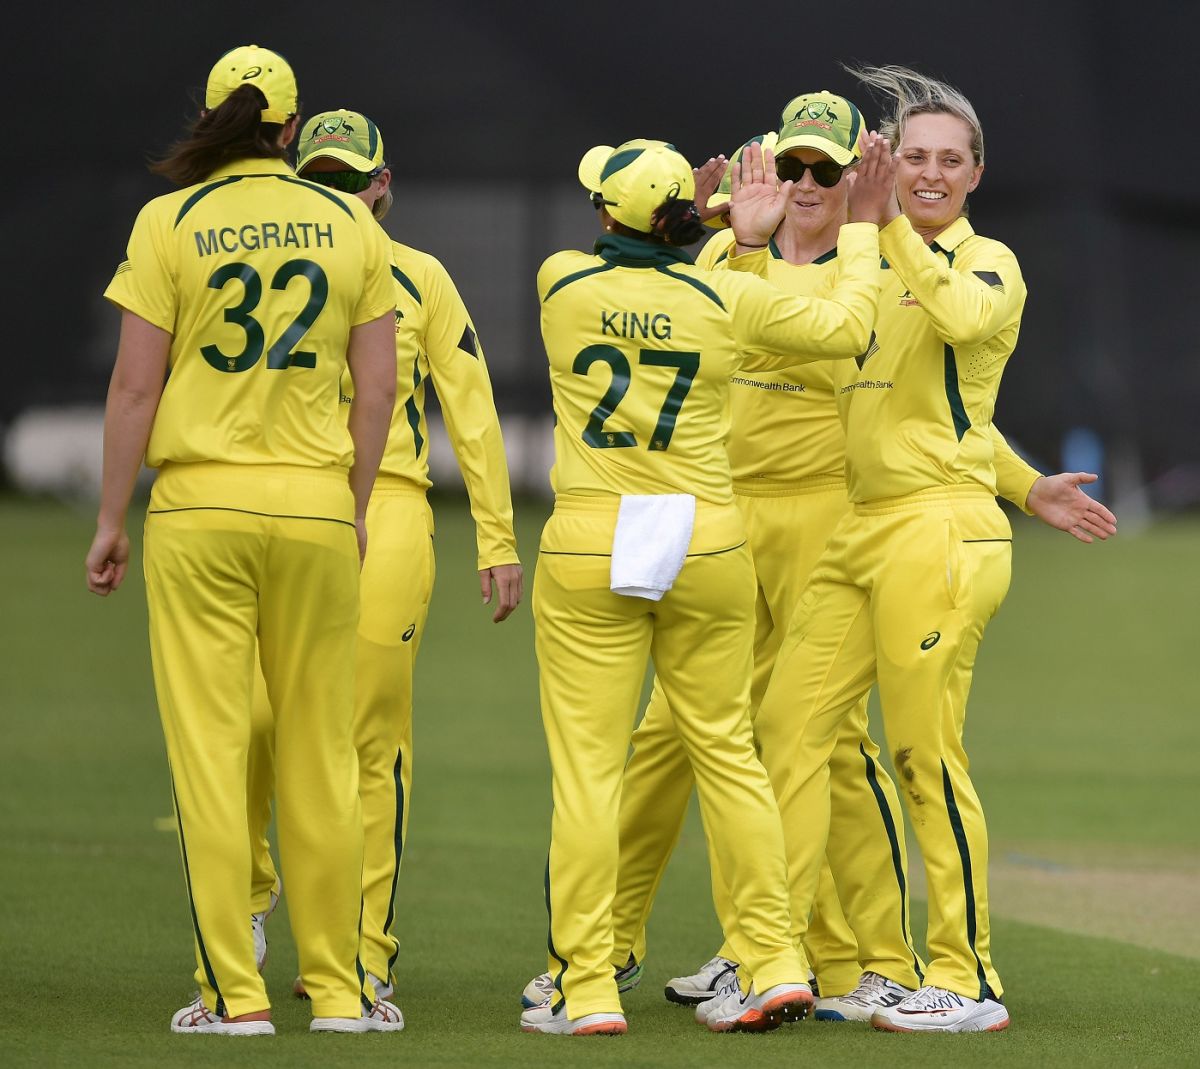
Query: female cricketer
point(245, 297)
point(787, 451)
point(641, 346)
point(435, 341)
point(920, 563)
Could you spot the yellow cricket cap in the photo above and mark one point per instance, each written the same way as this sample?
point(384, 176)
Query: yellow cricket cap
point(824, 121)
point(260, 67)
point(348, 136)
point(635, 178)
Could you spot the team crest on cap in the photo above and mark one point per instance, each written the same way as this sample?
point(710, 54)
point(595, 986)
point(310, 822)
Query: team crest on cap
point(815, 113)
point(333, 122)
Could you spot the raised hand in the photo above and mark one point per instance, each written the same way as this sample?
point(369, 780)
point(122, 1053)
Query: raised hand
point(872, 194)
point(708, 178)
point(1057, 500)
point(758, 199)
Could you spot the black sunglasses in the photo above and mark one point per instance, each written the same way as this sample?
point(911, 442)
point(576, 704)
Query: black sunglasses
point(826, 173)
point(345, 181)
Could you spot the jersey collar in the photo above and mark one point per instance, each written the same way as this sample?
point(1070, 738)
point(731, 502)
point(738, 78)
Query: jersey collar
point(633, 252)
point(253, 165)
point(953, 236)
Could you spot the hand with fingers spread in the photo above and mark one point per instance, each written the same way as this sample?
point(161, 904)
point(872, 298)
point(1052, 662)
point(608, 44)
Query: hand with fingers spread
point(872, 194)
point(758, 199)
point(509, 583)
point(708, 178)
point(1058, 501)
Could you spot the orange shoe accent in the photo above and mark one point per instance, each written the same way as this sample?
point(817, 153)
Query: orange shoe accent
point(605, 1028)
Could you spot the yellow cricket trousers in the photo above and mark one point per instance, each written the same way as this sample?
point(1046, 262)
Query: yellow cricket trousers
point(592, 647)
point(788, 528)
point(217, 582)
point(396, 585)
point(901, 597)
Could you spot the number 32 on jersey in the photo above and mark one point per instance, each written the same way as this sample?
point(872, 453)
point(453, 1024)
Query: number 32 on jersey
point(685, 364)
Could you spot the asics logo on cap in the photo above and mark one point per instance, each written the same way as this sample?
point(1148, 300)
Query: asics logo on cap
point(253, 72)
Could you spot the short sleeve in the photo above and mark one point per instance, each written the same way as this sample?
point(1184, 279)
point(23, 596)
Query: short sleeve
point(144, 282)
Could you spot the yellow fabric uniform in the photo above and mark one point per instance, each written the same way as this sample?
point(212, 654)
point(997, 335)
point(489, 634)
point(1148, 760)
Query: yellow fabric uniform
point(910, 577)
point(653, 420)
point(787, 452)
point(258, 276)
point(435, 341)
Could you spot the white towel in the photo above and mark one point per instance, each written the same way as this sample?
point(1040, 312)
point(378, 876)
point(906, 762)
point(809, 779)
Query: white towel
point(650, 544)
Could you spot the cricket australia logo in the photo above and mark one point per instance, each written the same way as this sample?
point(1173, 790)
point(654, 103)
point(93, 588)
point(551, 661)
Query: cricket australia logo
point(335, 129)
point(815, 113)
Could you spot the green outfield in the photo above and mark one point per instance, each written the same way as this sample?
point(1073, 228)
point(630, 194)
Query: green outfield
point(1084, 729)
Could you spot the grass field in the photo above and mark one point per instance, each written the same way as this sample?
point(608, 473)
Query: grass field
point(1084, 730)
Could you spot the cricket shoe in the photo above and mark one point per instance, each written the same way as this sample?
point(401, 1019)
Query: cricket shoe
point(541, 988)
point(195, 1019)
point(382, 990)
point(751, 1012)
point(383, 1016)
point(702, 984)
point(543, 1019)
point(874, 992)
point(258, 927)
point(934, 1009)
point(729, 986)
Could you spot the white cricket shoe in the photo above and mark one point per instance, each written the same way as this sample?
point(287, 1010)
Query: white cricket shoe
point(383, 1017)
point(760, 1013)
point(537, 991)
point(729, 986)
point(702, 984)
point(541, 988)
point(934, 1009)
point(195, 1019)
point(543, 1019)
point(874, 992)
point(258, 927)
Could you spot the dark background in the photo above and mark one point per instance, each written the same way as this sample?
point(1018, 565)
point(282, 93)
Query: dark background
point(1088, 112)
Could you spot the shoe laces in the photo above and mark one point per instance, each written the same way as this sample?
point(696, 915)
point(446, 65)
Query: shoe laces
point(934, 998)
point(384, 1011)
point(718, 965)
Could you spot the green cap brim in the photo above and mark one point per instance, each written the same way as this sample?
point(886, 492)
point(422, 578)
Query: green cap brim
point(822, 144)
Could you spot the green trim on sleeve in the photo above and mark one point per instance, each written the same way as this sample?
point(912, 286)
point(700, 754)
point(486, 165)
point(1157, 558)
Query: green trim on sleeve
point(407, 283)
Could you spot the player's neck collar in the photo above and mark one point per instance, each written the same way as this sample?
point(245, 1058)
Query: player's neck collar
point(633, 252)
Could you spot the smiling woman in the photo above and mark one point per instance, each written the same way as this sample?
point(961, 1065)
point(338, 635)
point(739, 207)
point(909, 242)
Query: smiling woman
point(914, 572)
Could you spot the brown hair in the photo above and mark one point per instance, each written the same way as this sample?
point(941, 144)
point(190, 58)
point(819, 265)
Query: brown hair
point(233, 130)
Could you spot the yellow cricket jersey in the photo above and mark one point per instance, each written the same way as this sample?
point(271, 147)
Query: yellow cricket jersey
point(435, 339)
point(258, 276)
point(786, 428)
point(917, 405)
point(918, 411)
point(642, 345)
